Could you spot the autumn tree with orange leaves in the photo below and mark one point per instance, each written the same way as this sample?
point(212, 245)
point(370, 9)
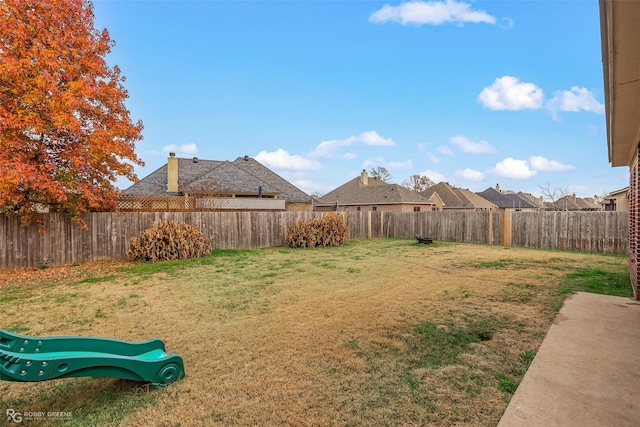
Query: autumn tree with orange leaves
point(65, 133)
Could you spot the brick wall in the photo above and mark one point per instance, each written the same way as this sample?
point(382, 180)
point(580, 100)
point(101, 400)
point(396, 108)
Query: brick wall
point(634, 223)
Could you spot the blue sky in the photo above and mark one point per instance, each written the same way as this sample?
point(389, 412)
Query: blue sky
point(472, 93)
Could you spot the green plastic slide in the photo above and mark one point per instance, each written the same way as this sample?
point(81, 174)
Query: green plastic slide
point(24, 358)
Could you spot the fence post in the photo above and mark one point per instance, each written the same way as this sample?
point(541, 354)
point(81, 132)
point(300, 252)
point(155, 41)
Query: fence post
point(505, 228)
point(491, 227)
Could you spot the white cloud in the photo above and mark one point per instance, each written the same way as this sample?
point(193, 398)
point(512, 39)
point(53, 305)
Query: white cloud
point(508, 93)
point(513, 168)
point(592, 130)
point(181, 149)
point(431, 12)
point(470, 174)
point(574, 100)
point(432, 157)
point(443, 149)
point(435, 176)
point(506, 23)
point(468, 146)
point(380, 161)
point(373, 138)
point(407, 164)
point(328, 149)
point(542, 164)
point(281, 159)
point(312, 187)
point(523, 169)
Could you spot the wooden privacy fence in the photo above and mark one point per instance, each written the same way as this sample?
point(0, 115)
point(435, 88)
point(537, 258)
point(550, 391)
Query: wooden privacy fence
point(109, 234)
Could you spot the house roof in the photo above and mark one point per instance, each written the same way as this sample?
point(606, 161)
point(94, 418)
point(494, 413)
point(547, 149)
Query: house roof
point(620, 41)
point(535, 201)
point(258, 170)
point(226, 176)
point(614, 194)
point(587, 204)
point(375, 192)
point(567, 203)
point(506, 200)
point(457, 198)
point(244, 175)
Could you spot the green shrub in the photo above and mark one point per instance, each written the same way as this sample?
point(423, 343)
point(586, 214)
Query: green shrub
point(330, 230)
point(168, 240)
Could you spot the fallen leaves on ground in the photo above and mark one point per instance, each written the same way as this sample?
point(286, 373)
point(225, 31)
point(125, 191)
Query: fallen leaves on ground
point(58, 275)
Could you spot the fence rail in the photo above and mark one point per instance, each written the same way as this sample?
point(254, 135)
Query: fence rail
point(108, 234)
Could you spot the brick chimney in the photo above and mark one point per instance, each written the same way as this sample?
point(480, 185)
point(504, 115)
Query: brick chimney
point(364, 178)
point(172, 173)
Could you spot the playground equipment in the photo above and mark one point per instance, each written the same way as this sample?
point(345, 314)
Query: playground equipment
point(24, 358)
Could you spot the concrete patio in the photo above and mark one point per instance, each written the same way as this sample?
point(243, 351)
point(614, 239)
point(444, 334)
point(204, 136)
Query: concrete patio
point(586, 372)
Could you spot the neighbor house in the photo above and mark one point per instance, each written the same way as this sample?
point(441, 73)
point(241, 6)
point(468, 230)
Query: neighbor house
point(448, 197)
point(197, 184)
point(365, 193)
point(573, 203)
point(538, 202)
point(620, 37)
point(507, 201)
point(616, 200)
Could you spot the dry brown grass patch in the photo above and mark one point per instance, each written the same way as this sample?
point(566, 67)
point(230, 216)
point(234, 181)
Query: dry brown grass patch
point(327, 336)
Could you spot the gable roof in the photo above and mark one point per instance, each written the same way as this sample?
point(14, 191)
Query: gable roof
point(374, 192)
point(244, 175)
point(567, 203)
point(623, 191)
point(457, 198)
point(506, 200)
point(587, 204)
point(156, 182)
point(226, 176)
point(538, 202)
point(258, 170)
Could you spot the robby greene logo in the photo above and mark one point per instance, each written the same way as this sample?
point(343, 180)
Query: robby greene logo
point(19, 416)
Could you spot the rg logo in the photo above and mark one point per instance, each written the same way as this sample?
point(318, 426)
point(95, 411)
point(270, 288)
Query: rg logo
point(14, 416)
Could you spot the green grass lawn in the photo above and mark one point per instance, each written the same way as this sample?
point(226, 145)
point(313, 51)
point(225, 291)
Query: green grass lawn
point(376, 332)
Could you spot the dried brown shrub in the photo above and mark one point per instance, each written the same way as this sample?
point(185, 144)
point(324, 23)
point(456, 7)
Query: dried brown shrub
point(168, 240)
point(326, 231)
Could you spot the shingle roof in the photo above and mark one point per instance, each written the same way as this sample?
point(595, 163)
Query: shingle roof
point(227, 176)
point(587, 204)
point(243, 175)
point(505, 200)
point(613, 194)
point(535, 201)
point(375, 192)
point(257, 169)
point(566, 203)
point(457, 198)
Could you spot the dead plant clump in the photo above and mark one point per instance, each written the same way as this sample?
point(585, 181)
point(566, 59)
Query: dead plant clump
point(326, 231)
point(169, 240)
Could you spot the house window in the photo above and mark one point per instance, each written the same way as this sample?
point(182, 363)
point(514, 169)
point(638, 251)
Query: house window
point(358, 208)
point(375, 208)
point(416, 208)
